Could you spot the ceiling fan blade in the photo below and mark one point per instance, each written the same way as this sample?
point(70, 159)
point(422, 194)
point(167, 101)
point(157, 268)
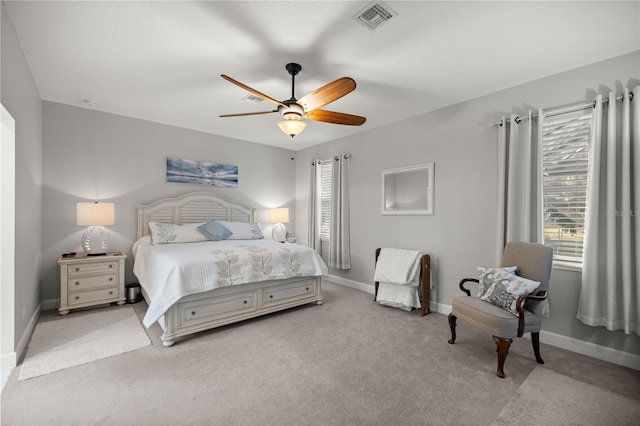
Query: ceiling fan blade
point(242, 114)
point(327, 93)
point(253, 91)
point(335, 117)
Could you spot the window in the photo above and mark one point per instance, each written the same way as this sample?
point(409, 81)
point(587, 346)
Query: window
point(325, 199)
point(565, 160)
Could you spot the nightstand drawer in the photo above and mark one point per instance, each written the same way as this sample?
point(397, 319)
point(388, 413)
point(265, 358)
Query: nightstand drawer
point(92, 268)
point(83, 283)
point(105, 294)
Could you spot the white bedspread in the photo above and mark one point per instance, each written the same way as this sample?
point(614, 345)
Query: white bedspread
point(169, 272)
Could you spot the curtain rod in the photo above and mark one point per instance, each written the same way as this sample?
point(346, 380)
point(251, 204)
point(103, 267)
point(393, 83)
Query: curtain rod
point(572, 108)
point(336, 158)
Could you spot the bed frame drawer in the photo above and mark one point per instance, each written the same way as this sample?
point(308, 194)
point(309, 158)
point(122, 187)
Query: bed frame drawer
point(289, 293)
point(199, 311)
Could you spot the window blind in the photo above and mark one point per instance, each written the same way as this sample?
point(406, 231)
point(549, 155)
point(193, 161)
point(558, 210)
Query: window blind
point(325, 200)
point(565, 158)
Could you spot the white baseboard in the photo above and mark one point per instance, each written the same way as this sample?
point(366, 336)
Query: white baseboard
point(10, 361)
point(21, 348)
point(615, 356)
point(367, 288)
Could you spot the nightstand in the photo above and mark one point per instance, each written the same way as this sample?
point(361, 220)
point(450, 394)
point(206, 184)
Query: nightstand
point(91, 280)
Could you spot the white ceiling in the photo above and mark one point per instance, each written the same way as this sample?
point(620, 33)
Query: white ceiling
point(161, 61)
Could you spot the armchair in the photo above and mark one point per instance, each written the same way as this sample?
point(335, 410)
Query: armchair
point(533, 262)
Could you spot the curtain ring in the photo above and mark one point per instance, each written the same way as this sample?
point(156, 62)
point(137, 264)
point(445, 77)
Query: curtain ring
point(517, 120)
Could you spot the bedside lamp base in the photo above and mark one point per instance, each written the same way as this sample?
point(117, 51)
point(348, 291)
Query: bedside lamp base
point(95, 241)
point(279, 232)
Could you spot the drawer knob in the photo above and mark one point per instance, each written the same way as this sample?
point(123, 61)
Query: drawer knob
point(193, 313)
point(77, 269)
point(110, 266)
point(111, 279)
point(77, 297)
point(307, 288)
point(111, 292)
point(77, 282)
point(245, 302)
point(271, 296)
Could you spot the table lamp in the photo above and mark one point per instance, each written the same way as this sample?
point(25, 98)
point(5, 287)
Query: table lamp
point(95, 239)
point(279, 216)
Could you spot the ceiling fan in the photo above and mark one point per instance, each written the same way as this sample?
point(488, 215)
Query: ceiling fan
point(293, 110)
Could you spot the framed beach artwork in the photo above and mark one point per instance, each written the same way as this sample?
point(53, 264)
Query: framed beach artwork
point(196, 172)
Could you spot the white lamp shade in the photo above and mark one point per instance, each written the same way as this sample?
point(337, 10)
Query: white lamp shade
point(280, 215)
point(95, 214)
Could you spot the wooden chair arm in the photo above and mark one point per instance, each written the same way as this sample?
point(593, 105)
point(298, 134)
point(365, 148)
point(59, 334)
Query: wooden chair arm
point(541, 295)
point(464, 280)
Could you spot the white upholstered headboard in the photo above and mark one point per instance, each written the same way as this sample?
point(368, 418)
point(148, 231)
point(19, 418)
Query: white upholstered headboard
point(191, 208)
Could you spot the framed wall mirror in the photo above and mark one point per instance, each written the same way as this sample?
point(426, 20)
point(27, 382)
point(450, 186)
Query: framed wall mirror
point(408, 190)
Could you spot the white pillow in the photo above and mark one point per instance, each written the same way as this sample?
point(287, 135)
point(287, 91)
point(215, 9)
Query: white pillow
point(169, 233)
point(242, 230)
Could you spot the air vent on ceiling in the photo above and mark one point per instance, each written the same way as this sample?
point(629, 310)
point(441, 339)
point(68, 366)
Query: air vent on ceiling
point(374, 14)
point(252, 98)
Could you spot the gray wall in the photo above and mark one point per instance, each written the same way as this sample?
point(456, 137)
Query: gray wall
point(463, 145)
point(90, 155)
point(21, 98)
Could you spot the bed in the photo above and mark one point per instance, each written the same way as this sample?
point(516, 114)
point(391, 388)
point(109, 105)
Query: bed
point(198, 285)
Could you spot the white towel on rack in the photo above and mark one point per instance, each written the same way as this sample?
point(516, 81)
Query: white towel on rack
point(398, 266)
point(398, 296)
point(398, 274)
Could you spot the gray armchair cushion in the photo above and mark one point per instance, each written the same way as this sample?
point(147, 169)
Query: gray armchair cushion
point(492, 319)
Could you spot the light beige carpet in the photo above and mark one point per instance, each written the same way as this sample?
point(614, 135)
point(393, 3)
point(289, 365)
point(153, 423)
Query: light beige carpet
point(82, 337)
point(549, 398)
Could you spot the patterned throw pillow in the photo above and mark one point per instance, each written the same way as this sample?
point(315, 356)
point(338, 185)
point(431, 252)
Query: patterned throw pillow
point(214, 230)
point(169, 233)
point(506, 289)
point(486, 277)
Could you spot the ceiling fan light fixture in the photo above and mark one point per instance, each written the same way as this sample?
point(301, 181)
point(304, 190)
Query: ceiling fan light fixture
point(292, 126)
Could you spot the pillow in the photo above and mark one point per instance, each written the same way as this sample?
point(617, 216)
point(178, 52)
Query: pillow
point(214, 230)
point(169, 233)
point(234, 230)
point(243, 230)
point(506, 289)
point(487, 276)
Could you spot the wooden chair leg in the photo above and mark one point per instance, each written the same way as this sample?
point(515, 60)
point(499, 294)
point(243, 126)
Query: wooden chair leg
point(503, 349)
point(535, 341)
point(452, 326)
